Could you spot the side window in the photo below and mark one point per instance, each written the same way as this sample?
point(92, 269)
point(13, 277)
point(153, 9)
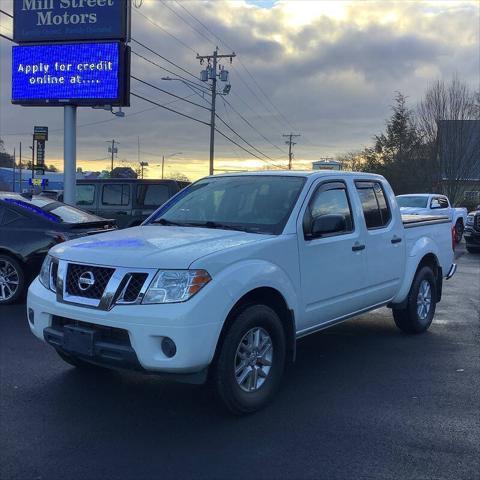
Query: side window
point(443, 202)
point(328, 212)
point(116, 194)
point(152, 195)
point(435, 203)
point(85, 194)
point(9, 216)
point(375, 207)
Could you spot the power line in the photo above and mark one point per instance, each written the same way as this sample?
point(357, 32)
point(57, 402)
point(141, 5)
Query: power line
point(165, 31)
point(253, 127)
point(241, 138)
point(100, 121)
point(6, 38)
point(170, 109)
point(199, 86)
point(165, 59)
point(183, 20)
point(169, 93)
point(241, 63)
point(6, 13)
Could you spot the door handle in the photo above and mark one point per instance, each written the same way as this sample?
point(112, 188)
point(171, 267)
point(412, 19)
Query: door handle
point(357, 247)
point(396, 239)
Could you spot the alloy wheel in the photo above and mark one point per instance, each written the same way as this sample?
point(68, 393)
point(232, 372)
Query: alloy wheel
point(253, 359)
point(424, 299)
point(9, 280)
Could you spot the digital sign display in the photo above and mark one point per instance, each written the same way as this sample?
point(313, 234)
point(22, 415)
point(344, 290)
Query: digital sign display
point(66, 20)
point(87, 74)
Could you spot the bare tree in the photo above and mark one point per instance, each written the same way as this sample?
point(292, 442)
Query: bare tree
point(451, 138)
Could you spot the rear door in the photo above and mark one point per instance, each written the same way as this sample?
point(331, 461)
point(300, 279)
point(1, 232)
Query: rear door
point(439, 206)
point(385, 244)
point(333, 265)
point(86, 197)
point(116, 202)
point(150, 196)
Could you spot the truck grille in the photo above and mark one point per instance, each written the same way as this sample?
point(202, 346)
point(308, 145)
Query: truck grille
point(133, 283)
point(87, 281)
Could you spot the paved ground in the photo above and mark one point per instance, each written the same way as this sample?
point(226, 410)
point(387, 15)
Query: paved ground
point(362, 401)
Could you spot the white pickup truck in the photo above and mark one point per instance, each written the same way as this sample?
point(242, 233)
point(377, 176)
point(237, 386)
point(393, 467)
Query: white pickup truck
point(434, 204)
point(223, 279)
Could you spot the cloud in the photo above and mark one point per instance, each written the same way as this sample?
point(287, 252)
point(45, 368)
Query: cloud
point(330, 68)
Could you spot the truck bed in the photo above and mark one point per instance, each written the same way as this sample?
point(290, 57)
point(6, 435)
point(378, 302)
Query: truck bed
point(410, 221)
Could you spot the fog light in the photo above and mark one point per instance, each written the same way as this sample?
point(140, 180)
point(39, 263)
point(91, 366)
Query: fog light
point(168, 347)
point(31, 316)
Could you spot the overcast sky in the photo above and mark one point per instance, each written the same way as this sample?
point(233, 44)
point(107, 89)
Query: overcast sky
point(325, 69)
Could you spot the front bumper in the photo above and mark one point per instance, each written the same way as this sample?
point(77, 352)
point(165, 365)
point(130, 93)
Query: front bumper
point(472, 237)
point(144, 327)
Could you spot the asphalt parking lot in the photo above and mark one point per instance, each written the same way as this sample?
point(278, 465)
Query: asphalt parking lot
point(362, 401)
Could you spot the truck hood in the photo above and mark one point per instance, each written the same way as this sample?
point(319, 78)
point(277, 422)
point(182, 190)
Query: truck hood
point(152, 246)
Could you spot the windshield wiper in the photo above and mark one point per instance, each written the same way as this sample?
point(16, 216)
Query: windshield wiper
point(220, 226)
point(164, 221)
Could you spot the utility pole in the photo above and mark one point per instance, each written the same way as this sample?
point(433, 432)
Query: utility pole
point(20, 170)
point(33, 157)
point(290, 144)
point(14, 161)
point(211, 74)
point(113, 150)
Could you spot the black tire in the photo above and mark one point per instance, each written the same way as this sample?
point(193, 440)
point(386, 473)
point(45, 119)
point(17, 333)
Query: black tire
point(473, 249)
point(76, 362)
point(459, 231)
point(19, 276)
point(234, 397)
point(408, 320)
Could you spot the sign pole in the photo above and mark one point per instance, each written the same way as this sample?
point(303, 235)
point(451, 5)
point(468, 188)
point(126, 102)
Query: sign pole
point(69, 153)
point(33, 157)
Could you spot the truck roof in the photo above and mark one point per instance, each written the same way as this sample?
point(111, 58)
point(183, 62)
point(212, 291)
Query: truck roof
point(301, 173)
point(421, 195)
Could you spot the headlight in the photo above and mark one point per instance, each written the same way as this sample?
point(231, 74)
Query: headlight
point(170, 286)
point(45, 275)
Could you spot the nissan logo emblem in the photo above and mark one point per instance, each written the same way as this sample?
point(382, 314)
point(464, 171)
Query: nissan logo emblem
point(85, 281)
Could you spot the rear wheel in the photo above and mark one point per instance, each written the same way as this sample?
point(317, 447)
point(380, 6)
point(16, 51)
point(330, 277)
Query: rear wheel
point(458, 231)
point(421, 303)
point(251, 360)
point(12, 280)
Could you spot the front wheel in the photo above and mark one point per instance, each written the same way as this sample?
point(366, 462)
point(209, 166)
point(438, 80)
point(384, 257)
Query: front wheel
point(421, 303)
point(12, 280)
point(251, 360)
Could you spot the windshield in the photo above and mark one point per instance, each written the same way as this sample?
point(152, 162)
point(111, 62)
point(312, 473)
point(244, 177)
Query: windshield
point(412, 201)
point(56, 211)
point(258, 204)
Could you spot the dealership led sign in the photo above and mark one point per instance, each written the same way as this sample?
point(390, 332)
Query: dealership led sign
point(67, 20)
point(70, 74)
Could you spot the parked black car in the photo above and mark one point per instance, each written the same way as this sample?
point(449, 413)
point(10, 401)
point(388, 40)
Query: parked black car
point(29, 226)
point(128, 201)
point(472, 231)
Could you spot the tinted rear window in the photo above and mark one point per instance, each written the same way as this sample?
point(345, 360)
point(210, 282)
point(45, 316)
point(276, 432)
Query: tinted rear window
point(152, 195)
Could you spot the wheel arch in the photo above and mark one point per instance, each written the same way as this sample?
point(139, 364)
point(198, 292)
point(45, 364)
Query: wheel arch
point(272, 298)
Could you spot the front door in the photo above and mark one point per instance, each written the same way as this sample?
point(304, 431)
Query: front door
point(332, 256)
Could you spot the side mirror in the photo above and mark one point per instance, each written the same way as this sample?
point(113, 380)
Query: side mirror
point(327, 224)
